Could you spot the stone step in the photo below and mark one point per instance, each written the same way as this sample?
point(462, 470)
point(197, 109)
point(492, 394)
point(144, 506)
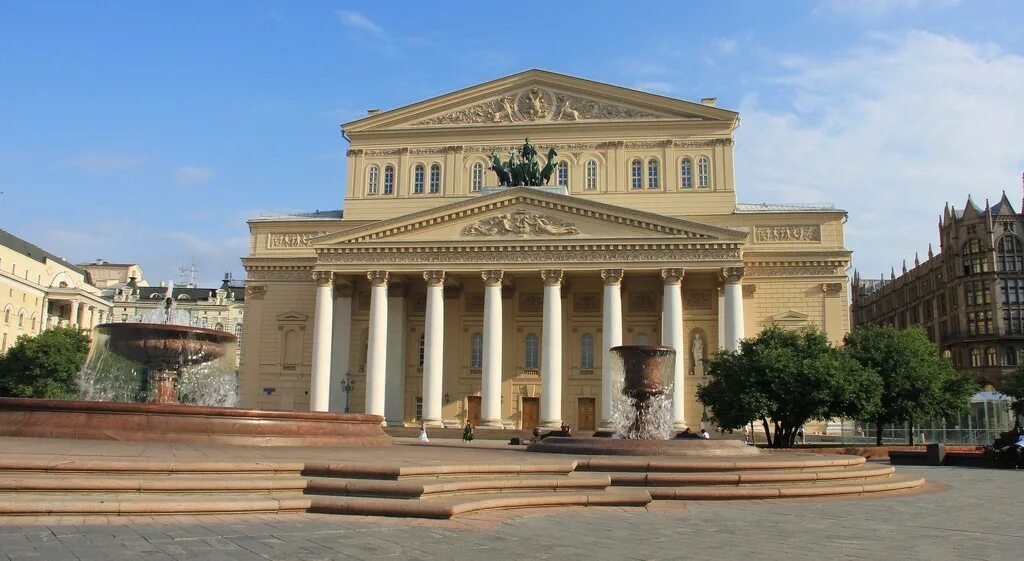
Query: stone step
point(118, 504)
point(767, 461)
point(750, 477)
point(413, 488)
point(449, 507)
point(398, 472)
point(897, 482)
point(154, 483)
point(122, 466)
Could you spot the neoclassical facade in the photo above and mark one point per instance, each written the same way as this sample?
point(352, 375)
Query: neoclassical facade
point(438, 296)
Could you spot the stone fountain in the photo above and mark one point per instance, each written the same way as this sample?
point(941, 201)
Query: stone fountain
point(642, 413)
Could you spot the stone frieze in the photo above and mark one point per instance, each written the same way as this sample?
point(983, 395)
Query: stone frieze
point(520, 223)
point(788, 233)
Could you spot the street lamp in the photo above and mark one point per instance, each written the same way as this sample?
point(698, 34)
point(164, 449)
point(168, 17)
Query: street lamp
point(347, 385)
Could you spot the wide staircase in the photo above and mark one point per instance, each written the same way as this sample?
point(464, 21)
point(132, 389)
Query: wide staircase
point(135, 487)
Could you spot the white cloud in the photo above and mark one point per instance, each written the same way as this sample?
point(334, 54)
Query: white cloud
point(359, 21)
point(870, 9)
point(889, 132)
point(192, 175)
point(99, 162)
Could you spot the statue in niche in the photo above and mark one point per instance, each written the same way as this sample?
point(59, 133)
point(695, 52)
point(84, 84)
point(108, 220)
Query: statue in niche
point(697, 350)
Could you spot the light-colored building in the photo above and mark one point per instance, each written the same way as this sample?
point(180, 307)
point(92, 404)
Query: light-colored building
point(969, 296)
point(39, 290)
point(449, 299)
point(103, 274)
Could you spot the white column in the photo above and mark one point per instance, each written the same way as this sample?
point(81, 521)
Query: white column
point(394, 390)
point(721, 318)
point(377, 344)
point(320, 376)
point(551, 352)
point(733, 307)
point(672, 336)
point(73, 316)
point(92, 317)
point(341, 346)
point(490, 389)
point(433, 349)
point(611, 336)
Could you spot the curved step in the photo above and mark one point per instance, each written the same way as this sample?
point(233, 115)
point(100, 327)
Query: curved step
point(752, 477)
point(766, 461)
point(79, 483)
point(450, 507)
point(134, 504)
point(897, 482)
point(115, 465)
point(413, 488)
point(370, 471)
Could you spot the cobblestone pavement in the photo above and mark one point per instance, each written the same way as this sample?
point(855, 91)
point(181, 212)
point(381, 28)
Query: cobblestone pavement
point(963, 514)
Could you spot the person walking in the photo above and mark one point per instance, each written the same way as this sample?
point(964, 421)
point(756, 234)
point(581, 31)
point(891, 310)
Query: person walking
point(467, 433)
point(423, 433)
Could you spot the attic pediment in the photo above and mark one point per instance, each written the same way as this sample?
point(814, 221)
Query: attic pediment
point(790, 319)
point(291, 317)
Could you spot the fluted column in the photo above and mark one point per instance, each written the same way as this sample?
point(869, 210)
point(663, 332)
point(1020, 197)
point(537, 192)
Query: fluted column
point(672, 336)
point(92, 317)
point(551, 353)
point(73, 316)
point(323, 320)
point(433, 349)
point(611, 336)
point(394, 388)
point(490, 389)
point(733, 307)
point(377, 345)
point(341, 349)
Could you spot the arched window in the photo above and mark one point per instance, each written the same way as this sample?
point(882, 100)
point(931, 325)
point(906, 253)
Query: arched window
point(532, 356)
point(703, 172)
point(1010, 254)
point(637, 171)
point(373, 179)
point(389, 180)
point(642, 339)
point(219, 326)
point(1011, 356)
point(563, 173)
point(435, 179)
point(653, 177)
point(975, 358)
point(478, 177)
point(686, 173)
point(238, 333)
point(476, 351)
point(591, 184)
point(992, 359)
point(419, 351)
point(417, 180)
point(7, 316)
point(587, 351)
point(34, 323)
point(21, 319)
point(974, 258)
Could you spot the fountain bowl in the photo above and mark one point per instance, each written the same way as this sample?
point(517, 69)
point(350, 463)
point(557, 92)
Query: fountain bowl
point(164, 346)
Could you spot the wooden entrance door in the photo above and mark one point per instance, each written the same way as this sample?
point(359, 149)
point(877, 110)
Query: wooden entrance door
point(473, 412)
point(531, 413)
point(585, 413)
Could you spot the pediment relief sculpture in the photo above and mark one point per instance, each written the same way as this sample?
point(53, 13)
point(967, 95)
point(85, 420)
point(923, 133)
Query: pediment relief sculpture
point(520, 223)
point(536, 104)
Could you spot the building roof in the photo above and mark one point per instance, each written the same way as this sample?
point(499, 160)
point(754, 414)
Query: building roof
point(193, 294)
point(14, 243)
point(785, 207)
point(316, 215)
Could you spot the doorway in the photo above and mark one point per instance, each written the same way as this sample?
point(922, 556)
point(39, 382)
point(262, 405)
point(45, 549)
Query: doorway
point(585, 407)
point(531, 413)
point(473, 411)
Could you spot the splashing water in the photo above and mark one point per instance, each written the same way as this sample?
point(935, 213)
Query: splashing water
point(655, 419)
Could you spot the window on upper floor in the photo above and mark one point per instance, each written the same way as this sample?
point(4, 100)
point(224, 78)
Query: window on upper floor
point(637, 174)
point(992, 357)
point(653, 174)
point(418, 178)
point(532, 358)
point(477, 177)
point(686, 174)
point(372, 180)
point(974, 258)
point(591, 173)
point(1010, 356)
point(420, 350)
point(587, 351)
point(389, 180)
point(704, 172)
point(563, 173)
point(975, 358)
point(435, 179)
point(1010, 254)
point(476, 351)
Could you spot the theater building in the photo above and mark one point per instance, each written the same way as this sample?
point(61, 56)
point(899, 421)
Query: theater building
point(438, 295)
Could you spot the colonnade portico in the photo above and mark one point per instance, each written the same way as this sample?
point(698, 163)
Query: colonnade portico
point(381, 392)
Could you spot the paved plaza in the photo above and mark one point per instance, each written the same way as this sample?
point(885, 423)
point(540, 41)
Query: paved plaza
point(961, 514)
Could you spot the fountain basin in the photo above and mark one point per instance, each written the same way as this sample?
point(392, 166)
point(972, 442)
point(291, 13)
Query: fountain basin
point(162, 346)
point(103, 420)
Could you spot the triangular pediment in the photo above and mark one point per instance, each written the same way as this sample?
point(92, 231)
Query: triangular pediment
point(291, 317)
point(790, 319)
point(527, 215)
point(535, 97)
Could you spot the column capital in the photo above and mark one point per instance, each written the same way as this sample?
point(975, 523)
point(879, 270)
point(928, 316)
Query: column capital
point(323, 278)
point(611, 277)
point(551, 277)
point(732, 274)
point(492, 277)
point(434, 277)
point(377, 278)
point(672, 275)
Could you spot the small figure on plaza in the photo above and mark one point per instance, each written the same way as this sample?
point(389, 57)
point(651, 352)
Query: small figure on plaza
point(423, 433)
point(704, 434)
point(467, 433)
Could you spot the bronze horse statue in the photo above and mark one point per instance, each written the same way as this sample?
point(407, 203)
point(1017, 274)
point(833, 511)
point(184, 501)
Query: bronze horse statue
point(549, 168)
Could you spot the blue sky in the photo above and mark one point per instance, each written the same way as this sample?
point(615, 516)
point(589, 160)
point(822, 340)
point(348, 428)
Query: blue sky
point(149, 132)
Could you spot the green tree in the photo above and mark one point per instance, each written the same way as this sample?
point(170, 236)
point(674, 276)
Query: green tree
point(783, 379)
point(1013, 386)
point(917, 382)
point(44, 366)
